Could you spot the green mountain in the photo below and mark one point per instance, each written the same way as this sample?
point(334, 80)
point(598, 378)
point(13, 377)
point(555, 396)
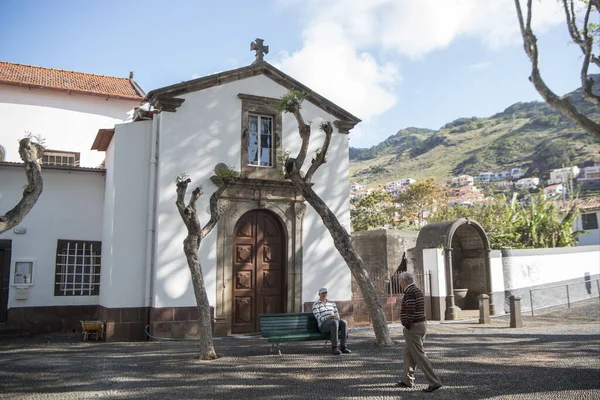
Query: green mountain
point(530, 135)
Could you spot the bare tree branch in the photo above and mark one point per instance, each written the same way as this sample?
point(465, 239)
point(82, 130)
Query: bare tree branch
point(341, 239)
point(304, 130)
point(321, 157)
point(30, 153)
point(585, 43)
point(562, 104)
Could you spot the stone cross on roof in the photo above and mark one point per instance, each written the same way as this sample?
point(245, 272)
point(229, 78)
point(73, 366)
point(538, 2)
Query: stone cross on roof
point(260, 49)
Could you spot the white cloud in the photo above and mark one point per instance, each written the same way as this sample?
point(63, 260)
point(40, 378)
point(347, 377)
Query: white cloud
point(351, 49)
point(331, 65)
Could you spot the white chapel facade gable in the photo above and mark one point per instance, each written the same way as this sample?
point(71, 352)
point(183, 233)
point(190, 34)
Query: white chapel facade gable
point(270, 252)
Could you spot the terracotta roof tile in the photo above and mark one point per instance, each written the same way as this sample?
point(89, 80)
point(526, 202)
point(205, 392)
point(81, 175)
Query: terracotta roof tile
point(29, 75)
point(589, 203)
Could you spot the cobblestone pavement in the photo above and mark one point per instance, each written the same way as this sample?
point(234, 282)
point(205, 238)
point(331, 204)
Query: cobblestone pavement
point(556, 355)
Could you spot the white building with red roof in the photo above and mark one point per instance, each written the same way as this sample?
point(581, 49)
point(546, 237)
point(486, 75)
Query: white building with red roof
point(66, 108)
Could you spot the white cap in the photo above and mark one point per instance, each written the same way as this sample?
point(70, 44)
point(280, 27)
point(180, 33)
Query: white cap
point(323, 290)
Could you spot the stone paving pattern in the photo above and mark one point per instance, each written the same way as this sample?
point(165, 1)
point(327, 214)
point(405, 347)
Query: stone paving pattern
point(556, 355)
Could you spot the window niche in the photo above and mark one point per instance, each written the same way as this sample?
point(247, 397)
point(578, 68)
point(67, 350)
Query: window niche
point(261, 156)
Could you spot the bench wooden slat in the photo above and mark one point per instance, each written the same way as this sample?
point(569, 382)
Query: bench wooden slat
point(290, 327)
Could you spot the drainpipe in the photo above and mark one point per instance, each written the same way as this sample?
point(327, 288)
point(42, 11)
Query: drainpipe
point(151, 222)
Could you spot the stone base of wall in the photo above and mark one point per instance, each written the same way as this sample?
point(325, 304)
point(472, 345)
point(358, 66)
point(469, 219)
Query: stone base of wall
point(177, 322)
point(124, 324)
point(41, 320)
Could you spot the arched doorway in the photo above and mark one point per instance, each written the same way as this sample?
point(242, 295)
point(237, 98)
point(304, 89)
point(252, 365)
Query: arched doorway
point(258, 269)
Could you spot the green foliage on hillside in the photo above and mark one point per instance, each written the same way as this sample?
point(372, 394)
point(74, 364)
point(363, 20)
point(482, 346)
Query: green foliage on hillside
point(530, 135)
point(396, 144)
point(509, 225)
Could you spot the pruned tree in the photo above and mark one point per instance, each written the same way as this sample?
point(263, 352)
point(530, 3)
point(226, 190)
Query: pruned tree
point(291, 103)
point(584, 37)
point(191, 245)
point(373, 211)
point(421, 199)
point(30, 151)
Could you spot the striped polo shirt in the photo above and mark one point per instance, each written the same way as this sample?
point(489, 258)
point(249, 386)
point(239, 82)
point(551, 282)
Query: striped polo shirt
point(413, 305)
point(322, 311)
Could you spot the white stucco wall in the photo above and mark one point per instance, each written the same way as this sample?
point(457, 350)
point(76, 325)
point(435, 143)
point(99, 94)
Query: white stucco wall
point(70, 207)
point(125, 234)
point(434, 263)
point(204, 131)
point(592, 237)
point(534, 267)
point(66, 122)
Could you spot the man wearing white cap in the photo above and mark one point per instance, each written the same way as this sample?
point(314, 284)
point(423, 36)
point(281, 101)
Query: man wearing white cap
point(328, 318)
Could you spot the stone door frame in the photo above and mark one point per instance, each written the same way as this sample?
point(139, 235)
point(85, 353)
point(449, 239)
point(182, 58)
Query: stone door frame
point(281, 199)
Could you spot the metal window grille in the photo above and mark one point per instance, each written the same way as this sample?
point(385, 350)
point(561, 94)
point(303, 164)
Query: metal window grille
point(77, 268)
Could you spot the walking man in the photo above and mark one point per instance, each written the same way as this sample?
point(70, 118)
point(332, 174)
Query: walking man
point(415, 328)
point(328, 318)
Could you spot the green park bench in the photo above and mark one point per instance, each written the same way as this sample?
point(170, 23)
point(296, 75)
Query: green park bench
point(290, 327)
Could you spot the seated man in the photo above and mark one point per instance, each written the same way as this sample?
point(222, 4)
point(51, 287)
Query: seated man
point(328, 318)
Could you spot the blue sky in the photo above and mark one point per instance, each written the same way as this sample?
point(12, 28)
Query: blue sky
point(392, 63)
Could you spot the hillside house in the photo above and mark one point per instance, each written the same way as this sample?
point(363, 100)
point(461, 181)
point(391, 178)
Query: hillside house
point(563, 175)
point(527, 183)
point(355, 186)
point(269, 253)
point(589, 178)
point(557, 190)
point(462, 180)
point(588, 221)
point(516, 173)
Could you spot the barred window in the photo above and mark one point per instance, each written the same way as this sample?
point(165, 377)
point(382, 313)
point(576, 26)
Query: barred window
point(77, 268)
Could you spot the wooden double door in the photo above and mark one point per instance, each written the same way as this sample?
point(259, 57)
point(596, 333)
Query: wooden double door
point(258, 269)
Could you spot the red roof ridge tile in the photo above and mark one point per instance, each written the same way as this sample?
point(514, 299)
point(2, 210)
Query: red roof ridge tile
point(44, 77)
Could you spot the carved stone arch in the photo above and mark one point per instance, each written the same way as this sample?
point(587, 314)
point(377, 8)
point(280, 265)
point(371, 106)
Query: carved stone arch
point(281, 200)
point(466, 260)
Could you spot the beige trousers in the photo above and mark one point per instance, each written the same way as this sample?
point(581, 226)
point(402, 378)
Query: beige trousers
point(414, 355)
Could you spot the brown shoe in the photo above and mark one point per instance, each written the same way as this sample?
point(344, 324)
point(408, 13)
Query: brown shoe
point(336, 351)
point(345, 350)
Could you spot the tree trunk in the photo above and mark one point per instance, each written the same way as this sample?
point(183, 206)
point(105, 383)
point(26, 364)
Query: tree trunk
point(191, 245)
point(30, 153)
point(343, 243)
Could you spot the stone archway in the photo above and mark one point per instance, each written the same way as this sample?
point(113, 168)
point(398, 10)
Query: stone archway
point(466, 251)
point(279, 198)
